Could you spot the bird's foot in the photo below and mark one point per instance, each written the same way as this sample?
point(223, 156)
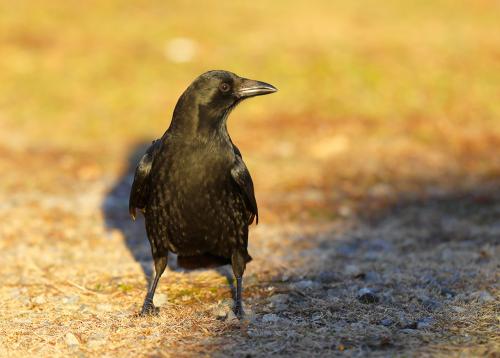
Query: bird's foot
point(239, 312)
point(149, 309)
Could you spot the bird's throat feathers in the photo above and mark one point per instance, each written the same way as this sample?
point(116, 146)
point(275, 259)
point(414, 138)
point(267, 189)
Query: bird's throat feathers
point(197, 116)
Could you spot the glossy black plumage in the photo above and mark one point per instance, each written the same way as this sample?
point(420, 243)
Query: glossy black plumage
point(196, 192)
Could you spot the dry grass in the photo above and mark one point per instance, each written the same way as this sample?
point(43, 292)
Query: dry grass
point(375, 166)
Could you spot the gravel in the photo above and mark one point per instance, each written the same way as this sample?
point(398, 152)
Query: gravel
point(366, 295)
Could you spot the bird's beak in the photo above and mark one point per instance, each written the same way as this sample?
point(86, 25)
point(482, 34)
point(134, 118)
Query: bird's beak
point(250, 88)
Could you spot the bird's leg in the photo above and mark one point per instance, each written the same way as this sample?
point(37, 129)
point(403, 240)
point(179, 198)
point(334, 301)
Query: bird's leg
point(148, 307)
point(238, 308)
point(238, 263)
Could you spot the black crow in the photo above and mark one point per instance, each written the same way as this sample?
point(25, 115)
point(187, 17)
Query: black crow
point(193, 187)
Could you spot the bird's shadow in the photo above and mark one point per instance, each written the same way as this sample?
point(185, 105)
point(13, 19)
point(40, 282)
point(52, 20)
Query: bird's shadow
point(116, 217)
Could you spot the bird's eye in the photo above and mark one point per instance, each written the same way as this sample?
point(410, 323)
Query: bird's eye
point(224, 87)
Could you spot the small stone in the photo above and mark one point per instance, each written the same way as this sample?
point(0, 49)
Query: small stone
point(446, 292)
point(366, 295)
point(220, 314)
point(253, 333)
point(280, 307)
point(160, 300)
point(306, 285)
point(249, 314)
point(279, 298)
point(39, 300)
point(231, 316)
point(221, 311)
point(425, 323)
point(482, 296)
point(84, 309)
point(408, 330)
point(15, 293)
point(386, 322)
point(352, 270)
point(431, 304)
point(270, 318)
point(71, 340)
point(372, 277)
point(104, 307)
point(458, 309)
point(70, 300)
point(278, 302)
point(405, 322)
point(96, 340)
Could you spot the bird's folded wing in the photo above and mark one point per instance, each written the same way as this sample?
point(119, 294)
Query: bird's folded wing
point(242, 177)
point(140, 187)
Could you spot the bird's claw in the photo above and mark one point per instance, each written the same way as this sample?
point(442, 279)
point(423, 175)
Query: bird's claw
point(239, 312)
point(149, 310)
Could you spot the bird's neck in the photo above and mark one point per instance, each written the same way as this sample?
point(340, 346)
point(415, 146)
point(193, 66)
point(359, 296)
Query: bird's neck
point(193, 120)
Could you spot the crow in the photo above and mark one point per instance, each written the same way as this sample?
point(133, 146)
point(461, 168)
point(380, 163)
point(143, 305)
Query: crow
point(194, 189)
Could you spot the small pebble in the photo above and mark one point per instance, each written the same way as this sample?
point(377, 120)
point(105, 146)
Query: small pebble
point(306, 285)
point(104, 307)
point(352, 270)
point(386, 322)
point(230, 317)
point(431, 304)
point(446, 292)
point(366, 295)
point(84, 309)
point(270, 318)
point(39, 300)
point(96, 340)
point(254, 333)
point(223, 308)
point(160, 300)
point(482, 296)
point(425, 323)
point(15, 293)
point(220, 313)
point(458, 309)
point(372, 277)
point(249, 314)
point(279, 298)
point(408, 331)
point(70, 300)
point(71, 340)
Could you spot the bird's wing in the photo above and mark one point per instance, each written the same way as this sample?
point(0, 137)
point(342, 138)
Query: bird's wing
point(242, 177)
point(140, 187)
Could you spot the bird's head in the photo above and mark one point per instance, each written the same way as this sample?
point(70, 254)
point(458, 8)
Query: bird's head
point(207, 102)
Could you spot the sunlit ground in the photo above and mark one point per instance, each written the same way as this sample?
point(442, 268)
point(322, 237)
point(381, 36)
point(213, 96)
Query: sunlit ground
point(385, 129)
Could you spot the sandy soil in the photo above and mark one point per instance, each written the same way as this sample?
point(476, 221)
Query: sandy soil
point(415, 275)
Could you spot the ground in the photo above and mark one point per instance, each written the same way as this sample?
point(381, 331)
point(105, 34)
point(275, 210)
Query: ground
point(375, 166)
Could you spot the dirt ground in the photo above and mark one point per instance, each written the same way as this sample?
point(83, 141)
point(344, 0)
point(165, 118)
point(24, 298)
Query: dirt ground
point(378, 272)
point(376, 170)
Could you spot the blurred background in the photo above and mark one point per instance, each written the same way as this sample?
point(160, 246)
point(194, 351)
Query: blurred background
point(377, 101)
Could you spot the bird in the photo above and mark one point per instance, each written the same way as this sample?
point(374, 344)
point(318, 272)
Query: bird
point(193, 187)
